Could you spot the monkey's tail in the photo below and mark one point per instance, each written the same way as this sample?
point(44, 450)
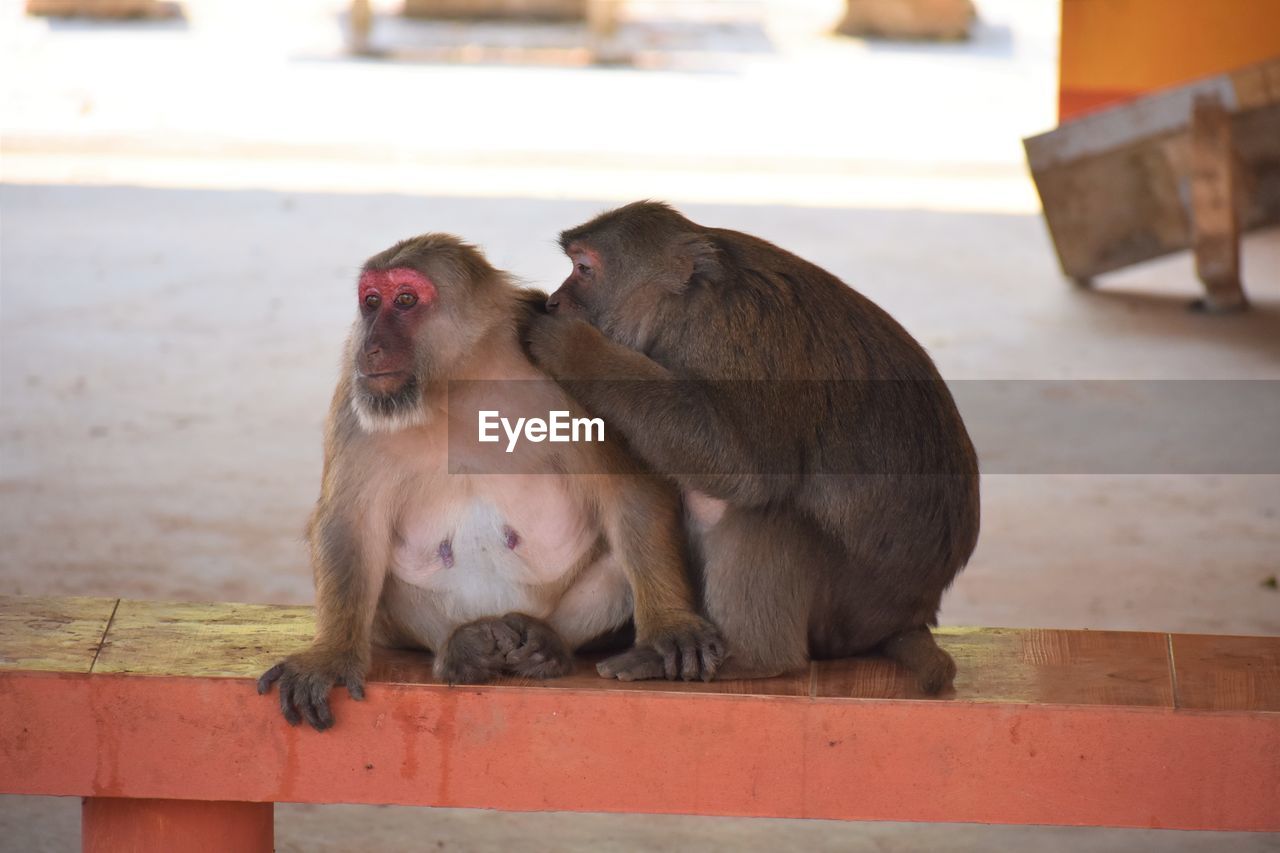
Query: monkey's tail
point(916, 649)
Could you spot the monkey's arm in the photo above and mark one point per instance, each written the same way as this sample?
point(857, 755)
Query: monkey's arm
point(680, 428)
point(350, 566)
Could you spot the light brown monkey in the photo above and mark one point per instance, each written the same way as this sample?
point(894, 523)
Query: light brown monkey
point(500, 565)
point(831, 489)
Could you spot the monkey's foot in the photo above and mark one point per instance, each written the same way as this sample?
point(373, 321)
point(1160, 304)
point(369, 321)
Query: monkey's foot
point(541, 652)
point(692, 651)
point(305, 681)
point(477, 651)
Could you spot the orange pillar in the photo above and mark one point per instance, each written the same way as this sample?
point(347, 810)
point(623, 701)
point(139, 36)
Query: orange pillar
point(1114, 50)
point(118, 825)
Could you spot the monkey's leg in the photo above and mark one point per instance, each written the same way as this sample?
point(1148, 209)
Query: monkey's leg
point(758, 587)
point(540, 652)
point(863, 611)
point(349, 570)
point(477, 651)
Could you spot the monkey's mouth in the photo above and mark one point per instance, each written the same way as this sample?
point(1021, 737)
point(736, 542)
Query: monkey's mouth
point(386, 383)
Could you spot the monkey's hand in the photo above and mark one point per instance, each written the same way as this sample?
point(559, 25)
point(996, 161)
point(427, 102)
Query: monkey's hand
point(564, 347)
point(306, 679)
point(689, 648)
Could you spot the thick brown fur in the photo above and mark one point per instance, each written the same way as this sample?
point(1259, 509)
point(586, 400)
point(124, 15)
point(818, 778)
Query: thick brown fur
point(831, 486)
point(572, 547)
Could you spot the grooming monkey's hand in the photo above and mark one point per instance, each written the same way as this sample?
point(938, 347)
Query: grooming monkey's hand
point(562, 346)
point(305, 681)
point(690, 648)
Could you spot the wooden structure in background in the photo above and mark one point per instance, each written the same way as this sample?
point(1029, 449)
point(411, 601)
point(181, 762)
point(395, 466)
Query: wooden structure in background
point(103, 8)
point(529, 10)
point(1190, 167)
point(908, 20)
point(149, 711)
point(601, 17)
point(1115, 50)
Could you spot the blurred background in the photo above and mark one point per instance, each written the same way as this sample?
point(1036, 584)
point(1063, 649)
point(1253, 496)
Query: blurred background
point(187, 196)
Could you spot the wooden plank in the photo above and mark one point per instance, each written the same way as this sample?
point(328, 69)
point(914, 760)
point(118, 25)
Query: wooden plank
point(1227, 673)
point(202, 639)
point(1215, 225)
point(539, 749)
point(1116, 186)
point(1119, 127)
point(52, 634)
point(1043, 666)
point(1157, 114)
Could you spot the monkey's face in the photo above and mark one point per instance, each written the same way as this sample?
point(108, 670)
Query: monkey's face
point(585, 289)
point(425, 306)
point(615, 298)
point(390, 364)
point(617, 292)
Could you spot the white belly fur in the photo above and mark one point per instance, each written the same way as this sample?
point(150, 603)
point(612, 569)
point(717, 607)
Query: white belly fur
point(479, 574)
point(483, 576)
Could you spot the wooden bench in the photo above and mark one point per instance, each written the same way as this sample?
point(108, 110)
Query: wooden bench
point(1187, 167)
point(149, 711)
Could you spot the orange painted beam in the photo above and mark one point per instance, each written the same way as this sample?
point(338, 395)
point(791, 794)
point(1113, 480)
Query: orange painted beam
point(120, 700)
point(1112, 50)
point(604, 750)
point(176, 826)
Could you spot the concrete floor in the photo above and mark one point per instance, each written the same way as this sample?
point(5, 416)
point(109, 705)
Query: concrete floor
point(174, 285)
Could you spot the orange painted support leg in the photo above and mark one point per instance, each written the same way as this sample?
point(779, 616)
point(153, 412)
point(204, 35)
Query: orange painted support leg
point(115, 825)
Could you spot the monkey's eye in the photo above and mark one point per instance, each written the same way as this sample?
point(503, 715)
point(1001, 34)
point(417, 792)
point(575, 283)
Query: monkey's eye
point(583, 269)
point(373, 300)
point(406, 300)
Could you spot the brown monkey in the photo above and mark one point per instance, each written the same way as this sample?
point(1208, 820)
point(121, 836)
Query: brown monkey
point(831, 490)
point(418, 541)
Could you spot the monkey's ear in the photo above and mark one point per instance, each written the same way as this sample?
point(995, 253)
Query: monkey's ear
point(694, 255)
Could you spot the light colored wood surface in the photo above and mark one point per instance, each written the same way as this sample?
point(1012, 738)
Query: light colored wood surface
point(202, 640)
point(995, 665)
point(52, 634)
point(1043, 666)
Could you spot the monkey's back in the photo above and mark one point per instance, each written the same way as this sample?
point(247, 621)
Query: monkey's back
point(826, 383)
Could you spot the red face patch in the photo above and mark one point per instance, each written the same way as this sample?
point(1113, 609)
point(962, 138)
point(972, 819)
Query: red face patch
point(388, 284)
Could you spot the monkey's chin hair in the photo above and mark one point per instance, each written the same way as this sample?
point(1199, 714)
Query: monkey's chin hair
point(391, 412)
